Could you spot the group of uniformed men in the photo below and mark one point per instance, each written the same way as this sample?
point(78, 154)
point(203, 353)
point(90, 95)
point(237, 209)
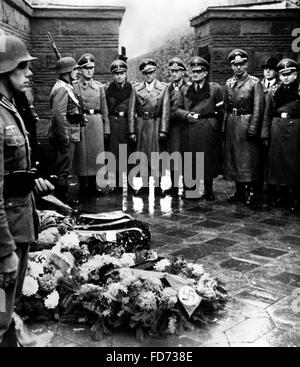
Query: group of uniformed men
point(248, 130)
point(151, 116)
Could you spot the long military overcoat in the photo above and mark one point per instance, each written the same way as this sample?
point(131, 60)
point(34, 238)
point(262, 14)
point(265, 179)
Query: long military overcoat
point(244, 108)
point(92, 135)
point(149, 114)
point(204, 135)
point(281, 126)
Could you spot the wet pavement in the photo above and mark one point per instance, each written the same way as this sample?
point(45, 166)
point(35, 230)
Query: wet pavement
point(255, 252)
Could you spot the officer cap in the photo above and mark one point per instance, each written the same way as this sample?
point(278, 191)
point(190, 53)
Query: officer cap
point(287, 65)
point(176, 64)
point(118, 66)
point(198, 63)
point(270, 63)
point(66, 65)
point(238, 56)
point(14, 53)
point(87, 61)
point(148, 66)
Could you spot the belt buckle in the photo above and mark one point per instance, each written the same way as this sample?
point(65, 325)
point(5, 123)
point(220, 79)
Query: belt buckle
point(234, 111)
point(146, 115)
point(91, 111)
point(284, 115)
point(121, 114)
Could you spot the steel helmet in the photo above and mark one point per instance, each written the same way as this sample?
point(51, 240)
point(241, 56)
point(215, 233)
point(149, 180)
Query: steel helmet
point(15, 52)
point(66, 65)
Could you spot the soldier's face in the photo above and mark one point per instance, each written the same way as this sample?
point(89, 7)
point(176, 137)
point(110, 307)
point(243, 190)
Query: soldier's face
point(176, 75)
point(240, 68)
point(149, 77)
point(199, 75)
point(19, 78)
point(269, 74)
point(120, 77)
point(288, 78)
point(88, 73)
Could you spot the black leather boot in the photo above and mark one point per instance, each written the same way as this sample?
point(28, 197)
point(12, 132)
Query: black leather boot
point(83, 187)
point(208, 191)
point(92, 187)
point(240, 194)
point(9, 338)
point(293, 200)
point(251, 194)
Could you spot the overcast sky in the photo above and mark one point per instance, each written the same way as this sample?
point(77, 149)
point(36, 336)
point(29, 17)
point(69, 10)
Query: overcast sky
point(146, 22)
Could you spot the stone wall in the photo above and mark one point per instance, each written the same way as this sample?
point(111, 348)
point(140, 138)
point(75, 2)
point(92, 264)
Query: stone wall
point(75, 32)
point(260, 33)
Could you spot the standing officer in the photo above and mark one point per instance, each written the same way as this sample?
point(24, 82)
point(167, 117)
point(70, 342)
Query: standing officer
point(269, 81)
point(96, 130)
point(244, 107)
point(66, 121)
point(118, 96)
point(200, 106)
point(149, 111)
point(281, 130)
point(177, 70)
point(18, 218)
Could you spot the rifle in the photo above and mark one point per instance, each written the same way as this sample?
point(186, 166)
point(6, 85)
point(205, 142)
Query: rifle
point(57, 53)
point(82, 119)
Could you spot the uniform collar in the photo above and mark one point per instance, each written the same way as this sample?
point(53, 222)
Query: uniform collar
point(85, 83)
point(239, 81)
point(6, 103)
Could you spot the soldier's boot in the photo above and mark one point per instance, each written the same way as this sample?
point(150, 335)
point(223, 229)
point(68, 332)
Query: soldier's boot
point(208, 191)
point(9, 338)
point(293, 200)
point(83, 188)
point(251, 194)
point(92, 187)
point(240, 194)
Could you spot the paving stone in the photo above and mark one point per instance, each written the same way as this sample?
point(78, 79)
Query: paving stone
point(198, 209)
point(248, 231)
point(221, 242)
point(60, 342)
point(279, 338)
point(268, 252)
point(238, 265)
point(257, 297)
point(290, 239)
point(273, 222)
point(207, 224)
point(288, 278)
point(249, 330)
point(286, 312)
point(181, 233)
point(195, 251)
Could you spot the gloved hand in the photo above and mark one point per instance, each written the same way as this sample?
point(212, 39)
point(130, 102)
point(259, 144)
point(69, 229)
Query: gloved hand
point(192, 118)
point(132, 138)
point(162, 137)
point(42, 187)
point(8, 270)
point(265, 142)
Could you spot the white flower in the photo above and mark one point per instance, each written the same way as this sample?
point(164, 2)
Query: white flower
point(35, 269)
point(30, 286)
point(113, 290)
point(127, 277)
point(52, 300)
point(172, 325)
point(69, 241)
point(147, 301)
point(162, 265)
point(169, 296)
point(152, 255)
point(127, 260)
point(196, 269)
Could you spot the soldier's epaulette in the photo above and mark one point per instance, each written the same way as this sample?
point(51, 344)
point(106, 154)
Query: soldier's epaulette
point(99, 83)
point(164, 83)
point(254, 78)
point(133, 83)
point(75, 82)
point(229, 80)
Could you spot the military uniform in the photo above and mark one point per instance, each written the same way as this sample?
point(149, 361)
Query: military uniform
point(65, 126)
point(18, 218)
point(118, 97)
point(244, 107)
point(203, 134)
point(149, 113)
point(281, 126)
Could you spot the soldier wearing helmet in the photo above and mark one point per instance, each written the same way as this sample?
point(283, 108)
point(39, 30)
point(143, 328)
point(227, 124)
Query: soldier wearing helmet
point(65, 123)
point(96, 131)
point(18, 218)
point(118, 95)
